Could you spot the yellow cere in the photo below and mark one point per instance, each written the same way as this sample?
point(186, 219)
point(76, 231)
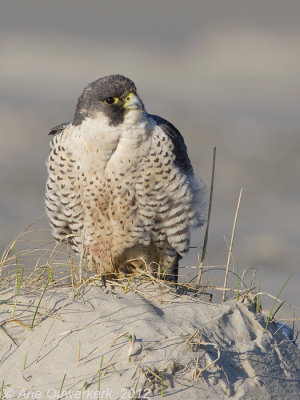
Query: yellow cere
point(128, 99)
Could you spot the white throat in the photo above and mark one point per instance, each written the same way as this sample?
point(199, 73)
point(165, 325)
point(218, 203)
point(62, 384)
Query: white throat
point(101, 145)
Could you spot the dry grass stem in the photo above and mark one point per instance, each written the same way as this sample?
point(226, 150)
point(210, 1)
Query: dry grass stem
point(78, 351)
point(22, 324)
point(231, 245)
point(11, 246)
point(10, 337)
point(159, 378)
point(208, 219)
point(55, 318)
point(211, 363)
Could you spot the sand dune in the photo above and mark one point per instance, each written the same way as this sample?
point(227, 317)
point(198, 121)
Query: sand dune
point(146, 343)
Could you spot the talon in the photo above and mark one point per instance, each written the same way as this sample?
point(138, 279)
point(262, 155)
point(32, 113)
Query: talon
point(103, 280)
point(173, 277)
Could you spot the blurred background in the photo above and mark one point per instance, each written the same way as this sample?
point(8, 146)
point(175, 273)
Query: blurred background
point(226, 73)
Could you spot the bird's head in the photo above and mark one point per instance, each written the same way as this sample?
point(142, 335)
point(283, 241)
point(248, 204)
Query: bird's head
point(113, 97)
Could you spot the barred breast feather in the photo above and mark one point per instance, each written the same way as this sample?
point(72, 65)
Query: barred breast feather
point(118, 195)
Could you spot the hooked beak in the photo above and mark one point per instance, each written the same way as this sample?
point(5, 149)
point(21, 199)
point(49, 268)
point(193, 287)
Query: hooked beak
point(133, 102)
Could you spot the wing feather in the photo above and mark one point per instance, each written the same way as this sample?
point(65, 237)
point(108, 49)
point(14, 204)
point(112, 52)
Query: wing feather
point(58, 128)
point(182, 159)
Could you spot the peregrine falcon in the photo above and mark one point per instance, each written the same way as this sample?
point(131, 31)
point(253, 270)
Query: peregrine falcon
point(120, 186)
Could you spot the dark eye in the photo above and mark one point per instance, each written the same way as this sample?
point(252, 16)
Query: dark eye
point(111, 100)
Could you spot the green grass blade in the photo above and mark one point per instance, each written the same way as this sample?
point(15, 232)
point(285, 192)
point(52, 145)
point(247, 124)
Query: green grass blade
point(275, 301)
point(25, 361)
point(257, 299)
point(40, 300)
point(162, 386)
point(83, 389)
point(2, 390)
point(62, 384)
point(278, 308)
point(128, 282)
point(135, 387)
point(99, 376)
point(18, 282)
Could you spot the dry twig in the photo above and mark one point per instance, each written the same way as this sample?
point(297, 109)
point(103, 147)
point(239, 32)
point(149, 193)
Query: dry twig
point(208, 220)
point(231, 244)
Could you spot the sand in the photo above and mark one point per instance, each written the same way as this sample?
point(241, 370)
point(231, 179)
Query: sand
point(149, 342)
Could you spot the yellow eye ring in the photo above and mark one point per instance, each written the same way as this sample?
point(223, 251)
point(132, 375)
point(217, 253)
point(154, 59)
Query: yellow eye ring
point(111, 101)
